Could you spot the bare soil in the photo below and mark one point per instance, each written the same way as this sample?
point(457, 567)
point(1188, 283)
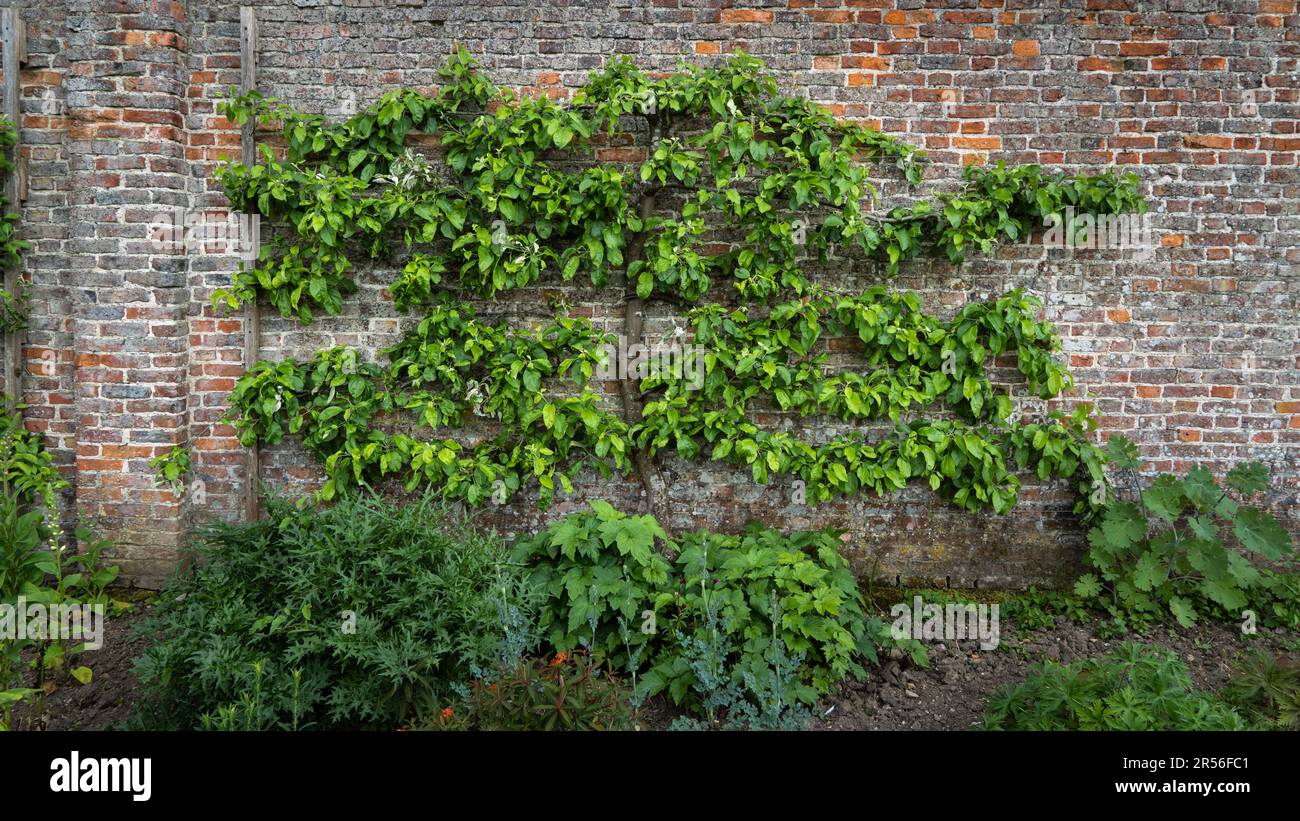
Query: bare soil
point(109, 698)
point(951, 693)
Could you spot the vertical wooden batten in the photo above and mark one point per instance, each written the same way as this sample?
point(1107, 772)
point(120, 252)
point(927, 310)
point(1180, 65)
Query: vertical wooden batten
point(253, 323)
point(14, 39)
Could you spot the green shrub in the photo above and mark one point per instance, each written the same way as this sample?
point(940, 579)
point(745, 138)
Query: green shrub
point(1185, 548)
point(25, 465)
point(38, 565)
point(1266, 687)
point(1134, 688)
point(795, 591)
point(1276, 599)
point(22, 557)
point(749, 693)
point(361, 614)
point(607, 586)
point(567, 692)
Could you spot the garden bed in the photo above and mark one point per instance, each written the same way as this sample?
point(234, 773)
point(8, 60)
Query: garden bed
point(108, 701)
point(897, 695)
point(951, 694)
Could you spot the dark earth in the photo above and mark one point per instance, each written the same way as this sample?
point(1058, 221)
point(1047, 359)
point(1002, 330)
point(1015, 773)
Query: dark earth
point(948, 695)
point(109, 698)
point(951, 693)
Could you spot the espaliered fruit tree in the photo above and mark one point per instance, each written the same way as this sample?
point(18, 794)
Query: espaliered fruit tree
point(742, 188)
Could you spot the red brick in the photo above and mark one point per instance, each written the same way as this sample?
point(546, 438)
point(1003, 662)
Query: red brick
point(746, 16)
point(988, 143)
point(1143, 49)
point(1206, 141)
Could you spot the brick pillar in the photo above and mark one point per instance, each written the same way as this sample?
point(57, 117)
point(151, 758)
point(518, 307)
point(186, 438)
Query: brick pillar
point(125, 99)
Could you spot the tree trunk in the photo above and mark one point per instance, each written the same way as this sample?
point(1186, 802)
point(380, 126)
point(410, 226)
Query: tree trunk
point(652, 482)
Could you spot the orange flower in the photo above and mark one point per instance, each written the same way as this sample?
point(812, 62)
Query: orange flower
point(560, 658)
point(447, 713)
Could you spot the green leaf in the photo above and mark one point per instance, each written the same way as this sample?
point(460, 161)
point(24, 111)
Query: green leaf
point(82, 674)
point(1200, 488)
point(1122, 453)
point(1165, 497)
point(634, 537)
point(1204, 528)
point(1240, 568)
point(1149, 572)
point(1224, 593)
point(1087, 586)
point(571, 267)
point(1248, 478)
point(1183, 611)
point(1123, 525)
point(566, 536)
point(1209, 557)
point(605, 511)
point(1261, 533)
point(1226, 508)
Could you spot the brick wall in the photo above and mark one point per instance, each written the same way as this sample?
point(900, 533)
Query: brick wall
point(1192, 350)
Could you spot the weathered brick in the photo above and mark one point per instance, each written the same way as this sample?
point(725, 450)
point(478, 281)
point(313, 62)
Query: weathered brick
point(746, 16)
point(1198, 364)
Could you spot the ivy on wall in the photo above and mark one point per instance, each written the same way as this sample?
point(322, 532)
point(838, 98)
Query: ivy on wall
point(741, 190)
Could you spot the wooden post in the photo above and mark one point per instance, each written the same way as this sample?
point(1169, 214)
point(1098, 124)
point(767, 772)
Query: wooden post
point(14, 43)
point(253, 323)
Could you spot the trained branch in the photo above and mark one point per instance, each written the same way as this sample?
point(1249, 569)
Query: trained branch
point(656, 489)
